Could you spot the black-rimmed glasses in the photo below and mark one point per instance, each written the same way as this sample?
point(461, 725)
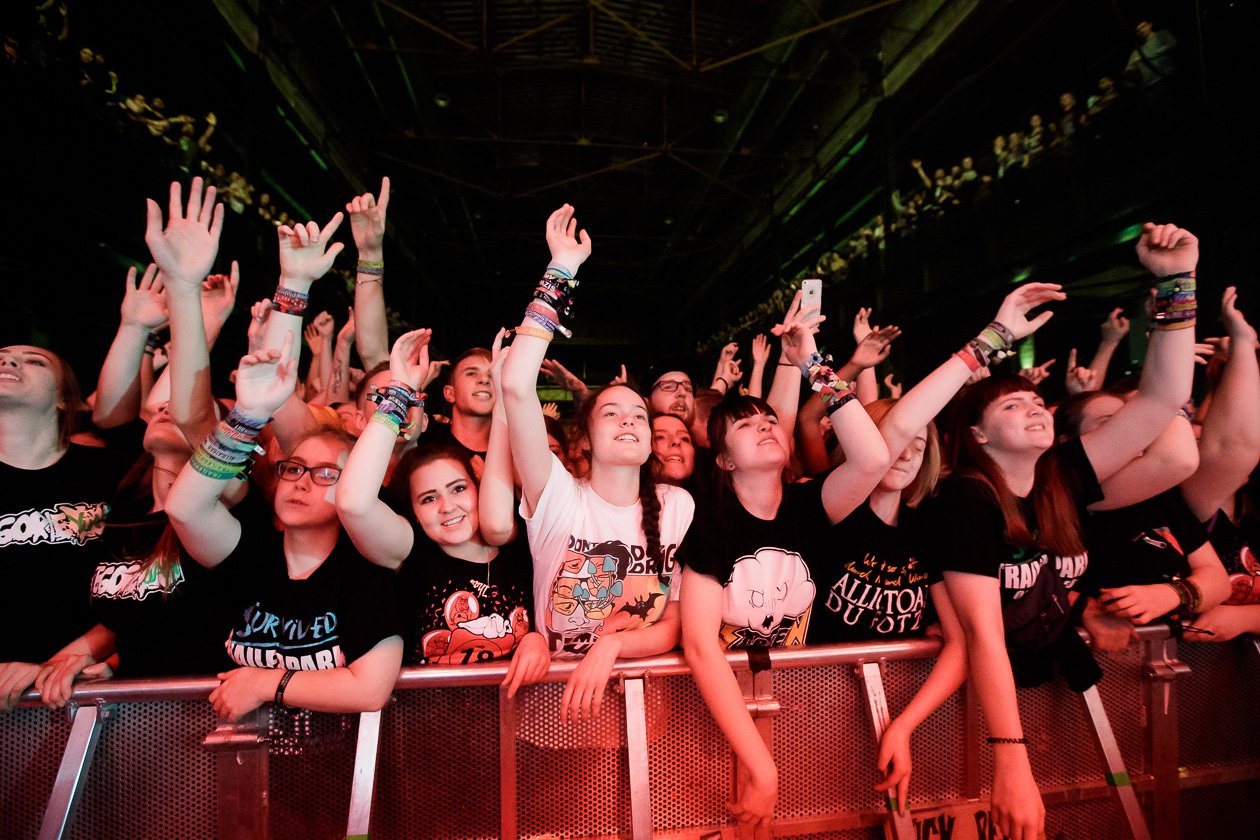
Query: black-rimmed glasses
point(322, 474)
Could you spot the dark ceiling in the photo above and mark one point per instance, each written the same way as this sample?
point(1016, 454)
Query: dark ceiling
point(714, 150)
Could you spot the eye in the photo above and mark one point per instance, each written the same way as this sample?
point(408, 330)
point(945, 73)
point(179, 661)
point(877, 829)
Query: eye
point(35, 360)
point(459, 488)
point(774, 420)
point(428, 499)
point(640, 416)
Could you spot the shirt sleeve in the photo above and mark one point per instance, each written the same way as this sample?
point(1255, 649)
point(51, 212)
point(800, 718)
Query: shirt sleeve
point(557, 500)
point(967, 531)
point(701, 550)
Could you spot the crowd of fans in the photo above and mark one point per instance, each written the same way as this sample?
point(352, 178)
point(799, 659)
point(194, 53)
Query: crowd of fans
point(304, 540)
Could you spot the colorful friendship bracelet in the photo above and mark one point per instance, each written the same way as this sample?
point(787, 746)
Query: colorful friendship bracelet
point(1176, 304)
point(834, 391)
point(992, 344)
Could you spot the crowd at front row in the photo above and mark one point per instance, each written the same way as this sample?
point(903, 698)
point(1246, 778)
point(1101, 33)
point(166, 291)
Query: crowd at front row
point(304, 552)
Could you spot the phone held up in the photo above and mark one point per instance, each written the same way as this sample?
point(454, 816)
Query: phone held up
point(812, 293)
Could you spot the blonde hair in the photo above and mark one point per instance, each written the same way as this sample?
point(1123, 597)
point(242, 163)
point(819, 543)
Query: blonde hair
point(924, 483)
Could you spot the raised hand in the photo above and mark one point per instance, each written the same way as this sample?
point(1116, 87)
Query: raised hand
point(1079, 379)
point(760, 350)
point(367, 222)
point(893, 386)
point(796, 333)
point(218, 295)
point(265, 380)
point(874, 346)
point(1236, 326)
point(861, 323)
point(562, 376)
point(346, 334)
point(1037, 375)
point(144, 303)
point(303, 258)
point(409, 359)
point(1167, 249)
point(1115, 327)
point(311, 333)
point(435, 370)
point(569, 247)
point(258, 315)
point(323, 325)
point(1013, 313)
point(185, 249)
point(621, 378)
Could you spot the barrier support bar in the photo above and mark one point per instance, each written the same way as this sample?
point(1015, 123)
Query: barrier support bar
point(872, 680)
point(76, 761)
point(1117, 775)
point(364, 781)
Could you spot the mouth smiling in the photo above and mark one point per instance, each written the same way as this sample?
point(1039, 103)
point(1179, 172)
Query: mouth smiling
point(626, 436)
point(453, 521)
point(9, 377)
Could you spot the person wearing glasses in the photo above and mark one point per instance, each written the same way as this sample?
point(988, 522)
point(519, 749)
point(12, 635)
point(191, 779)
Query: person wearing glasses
point(321, 630)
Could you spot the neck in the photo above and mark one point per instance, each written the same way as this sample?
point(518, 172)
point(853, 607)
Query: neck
point(473, 551)
point(1019, 469)
point(885, 504)
point(471, 430)
point(29, 439)
point(617, 485)
point(760, 493)
point(166, 466)
point(305, 549)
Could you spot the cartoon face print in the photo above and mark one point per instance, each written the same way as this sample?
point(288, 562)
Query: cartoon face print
point(766, 591)
point(461, 606)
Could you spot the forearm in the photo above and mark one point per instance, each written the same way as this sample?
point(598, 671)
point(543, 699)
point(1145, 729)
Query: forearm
point(1233, 425)
point(342, 689)
point(922, 403)
point(657, 638)
point(1168, 370)
point(358, 489)
point(785, 392)
point(339, 381)
point(866, 386)
point(292, 422)
point(192, 403)
point(1102, 360)
point(97, 643)
point(810, 448)
point(118, 389)
point(371, 322)
point(496, 497)
point(948, 673)
point(756, 379)
point(725, 699)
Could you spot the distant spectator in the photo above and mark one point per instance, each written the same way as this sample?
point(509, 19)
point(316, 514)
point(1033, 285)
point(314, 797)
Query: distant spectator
point(1152, 62)
point(1035, 141)
point(1105, 96)
point(1070, 116)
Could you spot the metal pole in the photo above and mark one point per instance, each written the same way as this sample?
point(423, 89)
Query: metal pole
point(877, 704)
point(360, 821)
point(76, 761)
point(1117, 775)
point(637, 755)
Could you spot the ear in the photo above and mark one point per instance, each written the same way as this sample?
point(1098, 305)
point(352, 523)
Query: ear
point(723, 463)
point(979, 435)
point(448, 393)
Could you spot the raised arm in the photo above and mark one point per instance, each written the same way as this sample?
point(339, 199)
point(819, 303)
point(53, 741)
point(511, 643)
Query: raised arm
point(367, 225)
point(381, 535)
point(496, 496)
point(527, 431)
point(1170, 254)
point(1112, 332)
point(206, 528)
point(566, 379)
point(1229, 446)
point(796, 344)
point(339, 378)
point(119, 390)
point(760, 355)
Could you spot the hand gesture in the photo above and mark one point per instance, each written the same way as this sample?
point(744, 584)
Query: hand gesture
point(584, 692)
point(218, 295)
point(55, 681)
point(1236, 325)
point(431, 375)
point(303, 258)
point(796, 333)
point(144, 303)
point(244, 689)
point(861, 324)
point(760, 350)
point(758, 794)
point(186, 248)
point(894, 761)
point(258, 315)
point(1167, 249)
point(346, 334)
point(409, 359)
point(1037, 375)
point(367, 222)
point(1013, 313)
point(562, 376)
point(1139, 604)
point(323, 325)
point(568, 250)
point(893, 386)
point(311, 333)
point(265, 380)
point(1107, 631)
point(498, 358)
point(874, 346)
point(1115, 327)
point(529, 663)
point(621, 378)
point(1079, 379)
point(1015, 805)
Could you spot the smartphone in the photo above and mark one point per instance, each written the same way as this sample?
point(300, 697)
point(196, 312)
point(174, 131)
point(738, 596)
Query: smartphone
point(812, 289)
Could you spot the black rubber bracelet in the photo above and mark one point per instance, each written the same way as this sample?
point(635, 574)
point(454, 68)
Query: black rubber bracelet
point(284, 681)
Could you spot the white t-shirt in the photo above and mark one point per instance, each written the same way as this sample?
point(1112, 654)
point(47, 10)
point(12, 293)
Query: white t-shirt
point(591, 570)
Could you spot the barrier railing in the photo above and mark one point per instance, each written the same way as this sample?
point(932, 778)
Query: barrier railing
point(453, 756)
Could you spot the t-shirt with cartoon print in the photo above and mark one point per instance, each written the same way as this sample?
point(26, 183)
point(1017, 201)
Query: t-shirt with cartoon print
point(591, 569)
point(52, 528)
point(767, 567)
point(459, 612)
point(874, 586)
point(328, 619)
point(165, 622)
point(968, 531)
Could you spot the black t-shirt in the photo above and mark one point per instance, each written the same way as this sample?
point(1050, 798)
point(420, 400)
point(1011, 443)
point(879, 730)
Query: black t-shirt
point(165, 622)
point(765, 566)
point(441, 433)
point(969, 531)
point(457, 612)
point(1143, 543)
point(327, 620)
point(874, 585)
point(52, 528)
point(1234, 548)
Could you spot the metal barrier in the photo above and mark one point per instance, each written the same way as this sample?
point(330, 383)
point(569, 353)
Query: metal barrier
point(1161, 748)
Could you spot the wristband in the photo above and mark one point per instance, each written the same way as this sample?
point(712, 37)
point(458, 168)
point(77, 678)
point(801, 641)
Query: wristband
point(536, 332)
point(289, 301)
point(992, 740)
point(284, 681)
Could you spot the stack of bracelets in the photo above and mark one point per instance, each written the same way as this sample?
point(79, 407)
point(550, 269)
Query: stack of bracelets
point(393, 400)
point(553, 299)
point(1175, 305)
point(1189, 596)
point(373, 267)
point(833, 390)
point(226, 451)
point(992, 344)
point(289, 301)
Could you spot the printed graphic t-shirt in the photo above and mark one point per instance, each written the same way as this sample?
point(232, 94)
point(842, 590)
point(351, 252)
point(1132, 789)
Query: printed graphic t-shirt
point(326, 620)
point(52, 524)
point(766, 567)
point(874, 585)
point(458, 612)
point(587, 577)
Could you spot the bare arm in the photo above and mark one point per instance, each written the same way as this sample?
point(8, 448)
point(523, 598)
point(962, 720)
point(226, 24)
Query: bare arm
point(496, 496)
point(1167, 462)
point(119, 388)
point(1113, 330)
point(367, 225)
point(761, 355)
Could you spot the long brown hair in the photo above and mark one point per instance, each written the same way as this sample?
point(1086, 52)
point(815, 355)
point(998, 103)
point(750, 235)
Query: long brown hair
point(650, 518)
point(1058, 525)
